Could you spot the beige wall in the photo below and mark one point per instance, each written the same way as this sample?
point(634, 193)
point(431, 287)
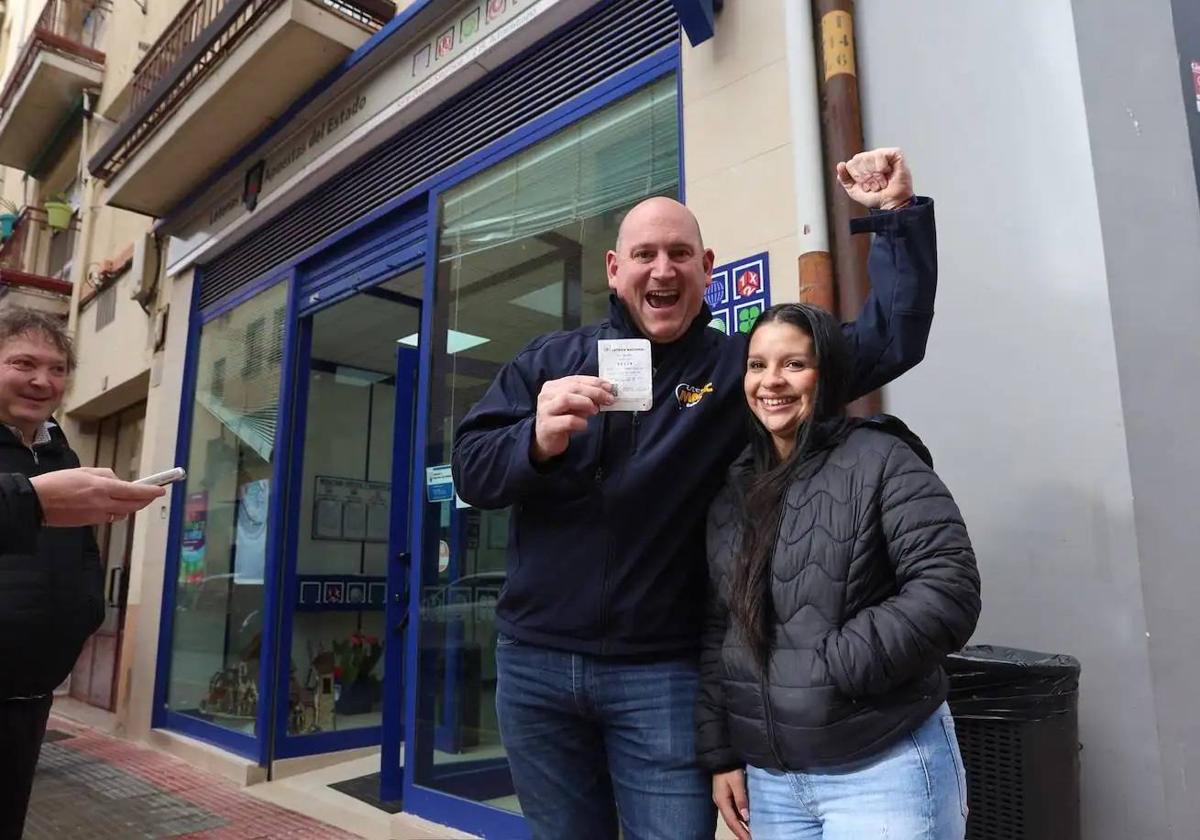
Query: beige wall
point(737, 141)
point(140, 647)
point(127, 27)
point(111, 357)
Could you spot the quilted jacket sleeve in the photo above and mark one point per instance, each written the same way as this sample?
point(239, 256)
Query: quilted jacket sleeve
point(714, 750)
point(934, 610)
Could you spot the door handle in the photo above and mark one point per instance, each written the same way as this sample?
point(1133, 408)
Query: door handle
point(115, 576)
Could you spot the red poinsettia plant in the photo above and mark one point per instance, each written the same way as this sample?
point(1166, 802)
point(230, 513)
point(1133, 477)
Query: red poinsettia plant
point(355, 658)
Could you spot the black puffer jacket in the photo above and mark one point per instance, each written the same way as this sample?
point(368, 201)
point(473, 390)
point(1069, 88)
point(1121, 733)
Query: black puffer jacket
point(873, 584)
point(51, 592)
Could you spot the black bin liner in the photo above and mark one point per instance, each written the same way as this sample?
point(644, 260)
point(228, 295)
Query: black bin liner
point(1016, 715)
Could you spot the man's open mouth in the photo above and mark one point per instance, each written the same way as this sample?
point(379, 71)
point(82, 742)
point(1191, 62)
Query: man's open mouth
point(662, 299)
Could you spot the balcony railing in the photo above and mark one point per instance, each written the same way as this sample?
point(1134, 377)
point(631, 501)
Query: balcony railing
point(21, 241)
point(200, 37)
point(71, 27)
point(36, 255)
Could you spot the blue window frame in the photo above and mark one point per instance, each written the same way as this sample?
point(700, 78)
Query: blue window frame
point(254, 434)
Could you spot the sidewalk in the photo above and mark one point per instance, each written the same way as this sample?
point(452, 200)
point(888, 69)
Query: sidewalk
point(91, 785)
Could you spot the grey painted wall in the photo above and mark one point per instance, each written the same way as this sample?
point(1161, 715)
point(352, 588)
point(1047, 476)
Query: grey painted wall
point(1024, 396)
point(1150, 221)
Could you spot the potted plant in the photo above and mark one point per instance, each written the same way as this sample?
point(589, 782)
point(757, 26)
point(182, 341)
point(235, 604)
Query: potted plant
point(354, 660)
point(59, 212)
point(8, 218)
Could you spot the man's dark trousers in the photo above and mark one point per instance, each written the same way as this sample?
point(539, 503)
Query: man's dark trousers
point(22, 727)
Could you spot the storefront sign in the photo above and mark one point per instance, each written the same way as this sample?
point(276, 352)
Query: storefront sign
point(475, 27)
point(740, 291)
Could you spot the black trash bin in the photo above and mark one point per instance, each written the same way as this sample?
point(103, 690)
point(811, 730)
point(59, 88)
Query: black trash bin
point(1016, 714)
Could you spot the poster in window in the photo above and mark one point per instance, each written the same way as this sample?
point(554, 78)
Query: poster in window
point(354, 520)
point(377, 521)
point(251, 539)
point(351, 509)
point(195, 522)
point(327, 520)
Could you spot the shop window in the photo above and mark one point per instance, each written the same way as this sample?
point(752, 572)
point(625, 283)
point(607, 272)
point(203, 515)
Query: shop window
point(216, 633)
point(521, 254)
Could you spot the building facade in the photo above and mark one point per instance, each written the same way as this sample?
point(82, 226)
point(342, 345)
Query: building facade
point(305, 235)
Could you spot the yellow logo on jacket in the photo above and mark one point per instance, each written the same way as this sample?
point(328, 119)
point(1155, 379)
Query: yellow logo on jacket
point(689, 395)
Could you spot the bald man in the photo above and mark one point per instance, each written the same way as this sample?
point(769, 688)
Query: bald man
point(600, 618)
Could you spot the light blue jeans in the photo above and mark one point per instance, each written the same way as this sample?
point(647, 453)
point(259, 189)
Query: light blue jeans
point(916, 789)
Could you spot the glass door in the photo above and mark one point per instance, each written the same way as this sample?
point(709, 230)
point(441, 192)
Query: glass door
point(346, 564)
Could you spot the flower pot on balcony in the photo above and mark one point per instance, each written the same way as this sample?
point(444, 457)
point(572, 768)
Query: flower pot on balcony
point(7, 222)
point(58, 214)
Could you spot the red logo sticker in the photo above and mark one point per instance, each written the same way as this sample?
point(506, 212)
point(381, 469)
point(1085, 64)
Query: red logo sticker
point(748, 283)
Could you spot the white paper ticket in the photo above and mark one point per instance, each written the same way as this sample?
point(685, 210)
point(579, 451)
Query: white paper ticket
point(625, 362)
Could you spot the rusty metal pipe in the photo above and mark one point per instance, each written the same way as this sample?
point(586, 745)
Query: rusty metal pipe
point(841, 139)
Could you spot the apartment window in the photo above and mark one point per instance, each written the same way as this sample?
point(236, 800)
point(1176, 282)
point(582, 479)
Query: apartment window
point(252, 359)
point(218, 378)
point(276, 354)
point(62, 248)
point(106, 307)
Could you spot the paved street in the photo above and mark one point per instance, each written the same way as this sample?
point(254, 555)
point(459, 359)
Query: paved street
point(91, 785)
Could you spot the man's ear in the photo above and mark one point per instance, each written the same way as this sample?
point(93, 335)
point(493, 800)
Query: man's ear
point(710, 260)
point(610, 264)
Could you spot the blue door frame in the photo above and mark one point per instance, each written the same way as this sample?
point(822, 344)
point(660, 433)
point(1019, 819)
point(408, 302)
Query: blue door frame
point(399, 589)
point(355, 268)
point(451, 803)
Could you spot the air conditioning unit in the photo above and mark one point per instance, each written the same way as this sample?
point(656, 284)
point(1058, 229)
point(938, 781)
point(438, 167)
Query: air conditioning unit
point(144, 269)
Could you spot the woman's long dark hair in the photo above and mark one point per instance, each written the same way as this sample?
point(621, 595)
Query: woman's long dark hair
point(761, 498)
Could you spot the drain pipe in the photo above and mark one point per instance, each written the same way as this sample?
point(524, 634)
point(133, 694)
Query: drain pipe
point(842, 134)
point(808, 186)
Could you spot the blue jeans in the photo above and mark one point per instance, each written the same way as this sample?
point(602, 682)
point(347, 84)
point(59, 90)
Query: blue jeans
point(914, 790)
point(590, 738)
